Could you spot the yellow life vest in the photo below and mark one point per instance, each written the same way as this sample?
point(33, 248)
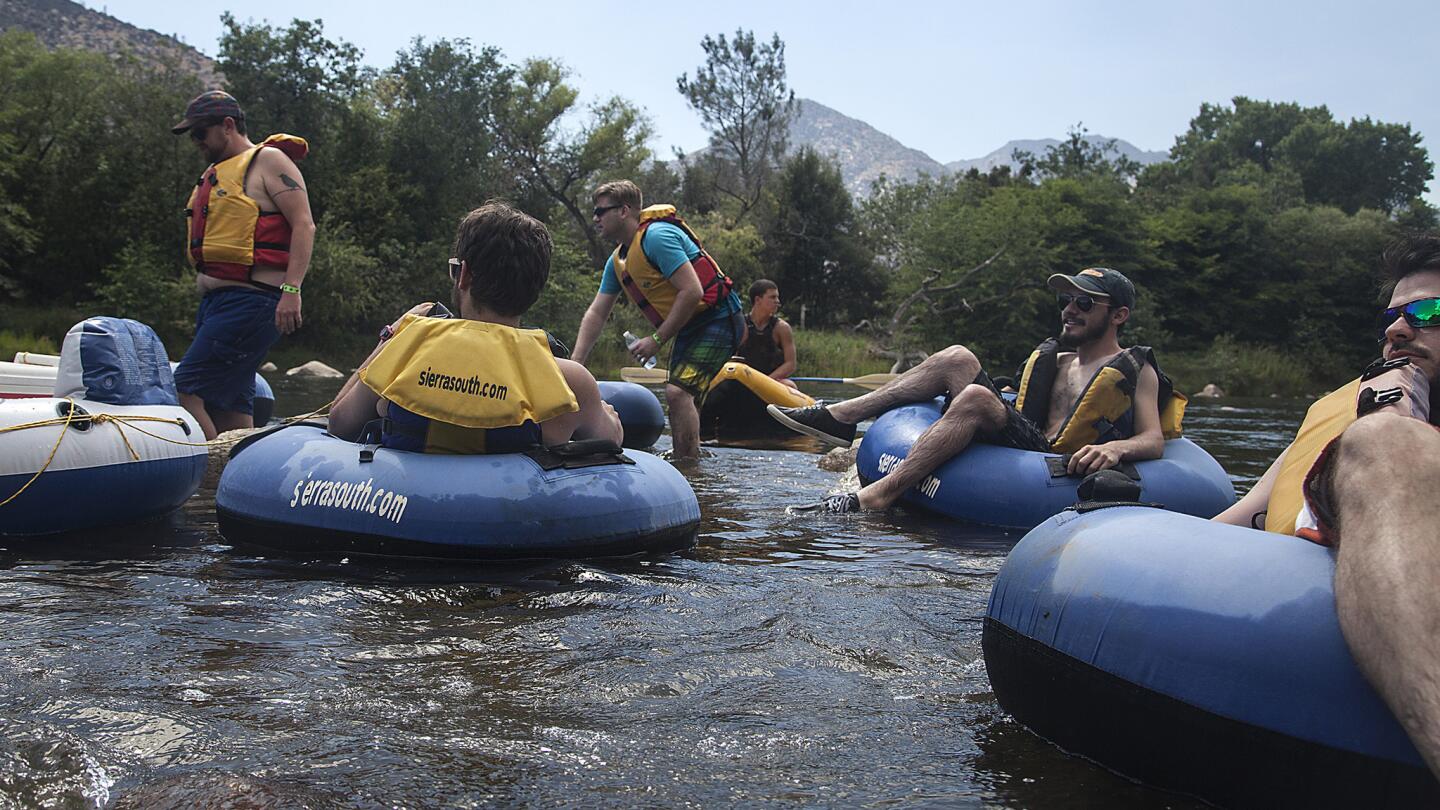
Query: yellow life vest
point(1104, 410)
point(1327, 418)
point(643, 282)
point(228, 233)
point(468, 377)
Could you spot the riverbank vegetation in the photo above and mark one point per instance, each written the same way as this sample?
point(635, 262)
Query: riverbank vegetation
point(1254, 247)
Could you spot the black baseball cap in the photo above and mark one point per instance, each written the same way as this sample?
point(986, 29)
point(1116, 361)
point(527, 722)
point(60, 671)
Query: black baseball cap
point(1097, 281)
point(210, 105)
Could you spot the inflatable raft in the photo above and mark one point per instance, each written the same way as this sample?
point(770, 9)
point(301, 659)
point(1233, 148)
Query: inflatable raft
point(33, 375)
point(298, 489)
point(1196, 657)
point(639, 411)
point(735, 403)
point(107, 445)
point(1017, 489)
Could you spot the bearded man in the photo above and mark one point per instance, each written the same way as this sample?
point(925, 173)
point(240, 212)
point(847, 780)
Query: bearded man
point(1094, 305)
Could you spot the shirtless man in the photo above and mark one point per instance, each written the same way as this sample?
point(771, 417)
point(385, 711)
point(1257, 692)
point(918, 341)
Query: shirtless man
point(769, 345)
point(249, 238)
point(1094, 304)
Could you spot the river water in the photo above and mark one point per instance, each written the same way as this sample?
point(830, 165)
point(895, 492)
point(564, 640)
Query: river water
point(786, 660)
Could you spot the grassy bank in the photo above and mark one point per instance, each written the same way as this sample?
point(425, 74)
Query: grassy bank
point(818, 354)
point(1242, 369)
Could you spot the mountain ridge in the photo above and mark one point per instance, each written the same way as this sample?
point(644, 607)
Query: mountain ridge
point(864, 153)
point(67, 24)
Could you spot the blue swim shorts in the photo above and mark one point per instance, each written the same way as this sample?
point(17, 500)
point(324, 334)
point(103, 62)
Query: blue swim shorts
point(234, 329)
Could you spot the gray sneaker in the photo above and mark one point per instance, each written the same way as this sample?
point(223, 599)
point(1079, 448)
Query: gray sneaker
point(814, 420)
point(842, 504)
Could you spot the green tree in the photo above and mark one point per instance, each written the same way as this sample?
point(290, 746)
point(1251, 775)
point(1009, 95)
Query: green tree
point(86, 143)
point(437, 152)
point(1079, 155)
point(742, 98)
point(296, 80)
point(1363, 164)
point(812, 248)
point(566, 165)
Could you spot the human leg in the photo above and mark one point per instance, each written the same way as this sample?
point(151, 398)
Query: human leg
point(1388, 565)
point(196, 406)
point(699, 354)
point(947, 371)
point(234, 329)
point(974, 409)
point(944, 372)
point(684, 422)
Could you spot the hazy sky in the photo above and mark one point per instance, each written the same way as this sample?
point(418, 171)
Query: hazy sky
point(955, 80)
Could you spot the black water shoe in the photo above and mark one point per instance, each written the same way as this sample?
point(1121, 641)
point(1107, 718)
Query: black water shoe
point(842, 504)
point(814, 420)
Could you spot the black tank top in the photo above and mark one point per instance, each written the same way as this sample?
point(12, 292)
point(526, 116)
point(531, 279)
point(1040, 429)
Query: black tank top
point(760, 350)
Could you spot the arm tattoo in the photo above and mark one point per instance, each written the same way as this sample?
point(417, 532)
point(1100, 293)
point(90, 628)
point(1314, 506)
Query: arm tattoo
point(290, 185)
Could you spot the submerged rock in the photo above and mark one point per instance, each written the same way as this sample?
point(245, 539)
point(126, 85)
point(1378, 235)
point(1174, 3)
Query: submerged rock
point(220, 453)
point(839, 459)
point(314, 368)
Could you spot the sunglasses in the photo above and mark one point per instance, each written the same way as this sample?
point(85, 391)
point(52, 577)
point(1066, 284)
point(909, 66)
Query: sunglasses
point(198, 133)
point(1082, 302)
point(600, 210)
point(1419, 314)
point(454, 269)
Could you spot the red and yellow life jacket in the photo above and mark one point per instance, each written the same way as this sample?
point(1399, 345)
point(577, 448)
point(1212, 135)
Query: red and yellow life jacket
point(648, 287)
point(227, 232)
point(1104, 411)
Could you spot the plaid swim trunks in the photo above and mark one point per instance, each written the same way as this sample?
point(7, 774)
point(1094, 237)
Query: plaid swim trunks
point(700, 352)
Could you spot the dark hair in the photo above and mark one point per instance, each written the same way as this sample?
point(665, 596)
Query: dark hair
point(1411, 253)
point(760, 287)
point(508, 253)
point(220, 119)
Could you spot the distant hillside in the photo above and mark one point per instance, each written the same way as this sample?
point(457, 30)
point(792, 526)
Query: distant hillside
point(1001, 156)
point(864, 152)
point(64, 24)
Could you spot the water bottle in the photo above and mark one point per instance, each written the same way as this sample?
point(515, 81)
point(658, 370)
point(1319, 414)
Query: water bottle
point(631, 340)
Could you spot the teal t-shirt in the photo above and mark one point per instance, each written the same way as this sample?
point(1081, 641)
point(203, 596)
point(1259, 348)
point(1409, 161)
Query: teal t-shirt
point(665, 244)
point(668, 247)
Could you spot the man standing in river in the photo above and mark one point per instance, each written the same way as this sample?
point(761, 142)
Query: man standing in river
point(249, 238)
point(678, 287)
point(1094, 305)
point(1359, 478)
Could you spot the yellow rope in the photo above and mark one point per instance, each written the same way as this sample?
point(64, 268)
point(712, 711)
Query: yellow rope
point(121, 422)
point(53, 451)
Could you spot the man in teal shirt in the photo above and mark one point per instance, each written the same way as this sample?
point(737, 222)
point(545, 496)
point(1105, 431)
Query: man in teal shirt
point(668, 276)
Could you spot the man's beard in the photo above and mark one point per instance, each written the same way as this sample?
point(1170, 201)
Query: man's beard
point(1091, 331)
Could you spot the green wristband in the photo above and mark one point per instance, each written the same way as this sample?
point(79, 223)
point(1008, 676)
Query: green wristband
point(290, 288)
point(658, 341)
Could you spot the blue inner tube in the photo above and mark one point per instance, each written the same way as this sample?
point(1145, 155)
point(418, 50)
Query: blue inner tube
point(1016, 489)
point(1197, 657)
point(264, 405)
point(639, 411)
point(300, 489)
